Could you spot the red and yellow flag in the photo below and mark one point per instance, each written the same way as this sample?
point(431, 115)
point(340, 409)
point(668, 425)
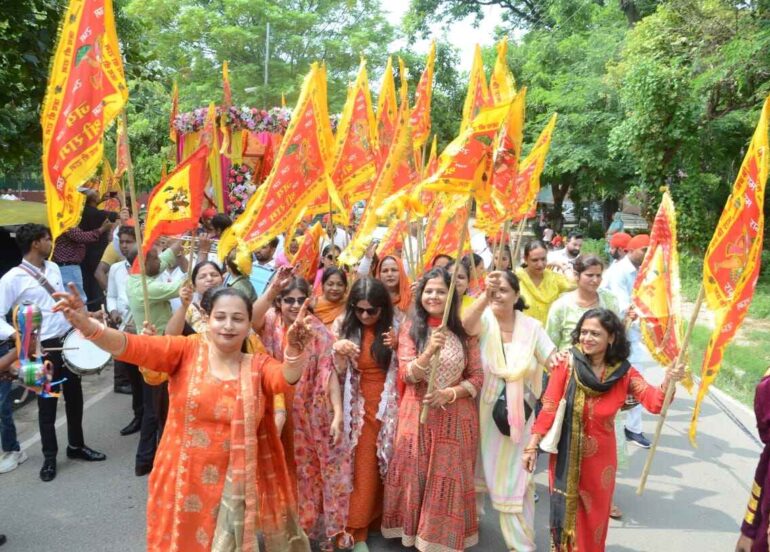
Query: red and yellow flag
point(387, 112)
point(523, 198)
point(172, 134)
point(354, 167)
point(420, 117)
point(305, 260)
point(657, 290)
point(175, 204)
point(505, 166)
point(477, 97)
point(121, 149)
point(444, 228)
point(299, 173)
point(86, 91)
point(502, 85)
point(731, 266)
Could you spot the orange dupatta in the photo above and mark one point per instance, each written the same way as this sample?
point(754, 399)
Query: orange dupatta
point(326, 311)
point(404, 300)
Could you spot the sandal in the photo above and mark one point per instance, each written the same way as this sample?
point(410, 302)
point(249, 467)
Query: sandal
point(615, 512)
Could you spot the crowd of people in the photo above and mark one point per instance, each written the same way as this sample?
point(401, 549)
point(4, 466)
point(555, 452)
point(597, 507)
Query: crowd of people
point(276, 412)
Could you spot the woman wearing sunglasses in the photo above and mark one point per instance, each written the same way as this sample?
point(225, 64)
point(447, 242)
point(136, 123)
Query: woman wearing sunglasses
point(364, 357)
point(316, 452)
point(331, 303)
point(429, 489)
point(329, 257)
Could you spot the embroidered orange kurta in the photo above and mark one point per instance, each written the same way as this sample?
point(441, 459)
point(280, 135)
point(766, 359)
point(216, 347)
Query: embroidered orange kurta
point(186, 483)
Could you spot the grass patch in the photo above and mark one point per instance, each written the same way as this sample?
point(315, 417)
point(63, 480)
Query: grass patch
point(742, 366)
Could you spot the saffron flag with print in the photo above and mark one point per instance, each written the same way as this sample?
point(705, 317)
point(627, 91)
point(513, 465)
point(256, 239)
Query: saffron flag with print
point(86, 91)
point(444, 228)
point(733, 258)
point(505, 166)
point(420, 117)
point(477, 97)
point(175, 204)
point(298, 176)
point(502, 86)
point(305, 260)
point(354, 166)
point(656, 295)
point(387, 112)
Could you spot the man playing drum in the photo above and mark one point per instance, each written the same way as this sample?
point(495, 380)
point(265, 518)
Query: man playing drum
point(33, 281)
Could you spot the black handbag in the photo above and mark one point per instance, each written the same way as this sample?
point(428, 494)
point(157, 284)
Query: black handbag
point(500, 410)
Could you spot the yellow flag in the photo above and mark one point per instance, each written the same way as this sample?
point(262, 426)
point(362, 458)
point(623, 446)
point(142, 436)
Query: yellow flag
point(477, 97)
point(387, 111)
point(502, 85)
point(86, 91)
point(211, 138)
point(420, 116)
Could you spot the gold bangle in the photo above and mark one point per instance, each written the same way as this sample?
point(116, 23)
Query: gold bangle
point(454, 395)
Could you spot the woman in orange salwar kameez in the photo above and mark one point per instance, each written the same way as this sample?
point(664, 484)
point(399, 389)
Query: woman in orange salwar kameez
point(430, 500)
point(364, 357)
point(219, 477)
point(316, 450)
point(390, 271)
point(594, 381)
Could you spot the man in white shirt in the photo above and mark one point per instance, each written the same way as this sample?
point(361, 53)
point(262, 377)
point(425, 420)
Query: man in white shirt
point(565, 258)
point(334, 234)
point(33, 282)
point(120, 317)
point(619, 279)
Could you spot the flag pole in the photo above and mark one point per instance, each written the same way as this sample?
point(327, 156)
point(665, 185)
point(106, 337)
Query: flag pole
point(501, 246)
point(447, 306)
point(670, 391)
point(137, 230)
point(519, 234)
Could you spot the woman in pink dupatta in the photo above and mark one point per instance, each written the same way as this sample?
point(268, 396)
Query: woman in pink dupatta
point(316, 451)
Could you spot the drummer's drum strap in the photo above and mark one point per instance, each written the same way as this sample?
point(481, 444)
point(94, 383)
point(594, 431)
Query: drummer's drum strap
point(39, 276)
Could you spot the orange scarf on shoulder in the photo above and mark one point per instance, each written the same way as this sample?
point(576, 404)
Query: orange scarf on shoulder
point(326, 311)
point(404, 299)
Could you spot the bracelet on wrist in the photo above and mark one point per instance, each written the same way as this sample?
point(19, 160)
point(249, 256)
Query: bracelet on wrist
point(454, 395)
point(96, 333)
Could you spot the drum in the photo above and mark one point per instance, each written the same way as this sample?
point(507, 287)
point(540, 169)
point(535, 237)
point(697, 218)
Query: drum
point(83, 357)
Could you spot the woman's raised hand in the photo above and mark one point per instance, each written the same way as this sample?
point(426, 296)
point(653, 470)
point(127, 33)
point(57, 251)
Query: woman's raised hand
point(300, 333)
point(346, 348)
point(390, 338)
point(492, 283)
point(71, 306)
point(149, 328)
point(186, 294)
point(676, 371)
point(281, 279)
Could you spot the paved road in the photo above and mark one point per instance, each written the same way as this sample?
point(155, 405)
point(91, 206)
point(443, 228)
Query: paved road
point(694, 500)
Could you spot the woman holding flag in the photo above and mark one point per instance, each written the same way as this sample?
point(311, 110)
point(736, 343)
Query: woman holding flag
point(317, 452)
point(429, 494)
point(220, 451)
point(594, 380)
point(514, 349)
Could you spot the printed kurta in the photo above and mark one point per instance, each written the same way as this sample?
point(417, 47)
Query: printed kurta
point(596, 483)
point(540, 297)
point(322, 470)
point(187, 481)
point(429, 489)
point(500, 471)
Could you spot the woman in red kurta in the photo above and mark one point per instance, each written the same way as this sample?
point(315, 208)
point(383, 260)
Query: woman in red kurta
point(219, 475)
point(594, 380)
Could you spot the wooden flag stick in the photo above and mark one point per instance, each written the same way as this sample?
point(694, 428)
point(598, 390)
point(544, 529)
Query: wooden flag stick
point(137, 230)
point(407, 237)
point(519, 235)
point(420, 248)
point(191, 263)
point(670, 392)
point(447, 307)
point(501, 246)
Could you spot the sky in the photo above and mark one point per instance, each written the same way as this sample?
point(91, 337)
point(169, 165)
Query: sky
point(464, 29)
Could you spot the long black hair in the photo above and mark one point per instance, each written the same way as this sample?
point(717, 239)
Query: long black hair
point(620, 348)
point(376, 294)
point(419, 329)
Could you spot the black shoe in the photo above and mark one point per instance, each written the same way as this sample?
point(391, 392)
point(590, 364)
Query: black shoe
point(3, 540)
point(142, 470)
point(48, 471)
point(124, 389)
point(132, 427)
point(85, 453)
point(638, 439)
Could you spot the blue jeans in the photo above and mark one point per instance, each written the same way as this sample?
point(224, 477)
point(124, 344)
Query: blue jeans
point(7, 427)
point(72, 273)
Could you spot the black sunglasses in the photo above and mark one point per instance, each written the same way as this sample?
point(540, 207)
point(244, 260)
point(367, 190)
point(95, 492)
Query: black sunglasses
point(293, 300)
point(372, 311)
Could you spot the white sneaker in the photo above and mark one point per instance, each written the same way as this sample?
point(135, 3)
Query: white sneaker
point(11, 460)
